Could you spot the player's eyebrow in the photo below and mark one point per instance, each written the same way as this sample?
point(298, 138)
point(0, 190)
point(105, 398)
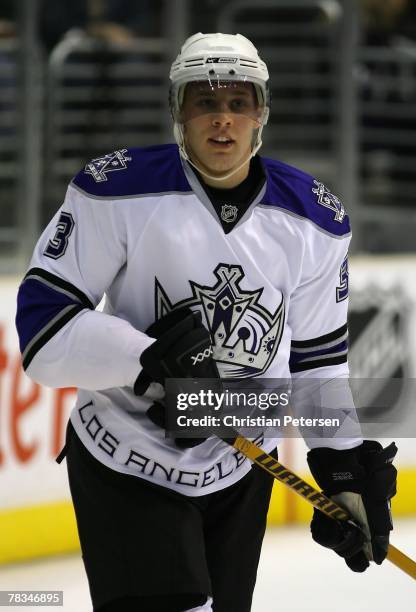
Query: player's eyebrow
point(242, 92)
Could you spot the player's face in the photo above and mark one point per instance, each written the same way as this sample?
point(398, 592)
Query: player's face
point(218, 127)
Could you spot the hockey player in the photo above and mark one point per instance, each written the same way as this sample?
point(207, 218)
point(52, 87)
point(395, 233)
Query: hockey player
point(213, 262)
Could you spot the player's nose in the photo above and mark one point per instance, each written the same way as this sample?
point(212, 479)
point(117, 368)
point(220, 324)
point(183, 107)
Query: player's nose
point(222, 117)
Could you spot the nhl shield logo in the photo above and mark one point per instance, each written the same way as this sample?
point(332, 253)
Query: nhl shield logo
point(229, 213)
point(379, 355)
point(101, 166)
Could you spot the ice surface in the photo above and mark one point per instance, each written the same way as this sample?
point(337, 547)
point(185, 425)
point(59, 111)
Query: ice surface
point(295, 575)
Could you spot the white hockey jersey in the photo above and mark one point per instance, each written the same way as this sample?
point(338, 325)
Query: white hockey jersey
point(137, 227)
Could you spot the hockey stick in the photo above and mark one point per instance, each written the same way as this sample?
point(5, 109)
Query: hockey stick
point(309, 493)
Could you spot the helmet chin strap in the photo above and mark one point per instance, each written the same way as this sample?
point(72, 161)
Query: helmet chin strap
point(180, 139)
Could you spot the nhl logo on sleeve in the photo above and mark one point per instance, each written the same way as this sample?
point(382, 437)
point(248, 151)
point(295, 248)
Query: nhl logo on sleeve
point(329, 200)
point(229, 213)
point(101, 166)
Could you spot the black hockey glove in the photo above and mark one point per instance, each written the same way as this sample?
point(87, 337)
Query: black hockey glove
point(362, 480)
point(183, 349)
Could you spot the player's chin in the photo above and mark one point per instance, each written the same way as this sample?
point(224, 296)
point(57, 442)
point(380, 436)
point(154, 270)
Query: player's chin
point(220, 169)
point(224, 162)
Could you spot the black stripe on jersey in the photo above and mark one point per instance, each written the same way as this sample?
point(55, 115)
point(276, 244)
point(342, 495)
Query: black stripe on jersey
point(319, 363)
point(60, 283)
point(34, 347)
point(338, 333)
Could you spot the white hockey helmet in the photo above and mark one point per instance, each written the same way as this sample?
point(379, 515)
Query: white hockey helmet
point(218, 58)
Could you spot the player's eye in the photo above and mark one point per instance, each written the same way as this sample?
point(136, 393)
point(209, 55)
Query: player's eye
point(206, 103)
point(239, 105)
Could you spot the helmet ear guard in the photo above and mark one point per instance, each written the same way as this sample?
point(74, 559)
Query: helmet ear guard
point(263, 101)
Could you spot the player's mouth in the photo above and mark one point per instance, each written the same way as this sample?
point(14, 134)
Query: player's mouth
point(221, 142)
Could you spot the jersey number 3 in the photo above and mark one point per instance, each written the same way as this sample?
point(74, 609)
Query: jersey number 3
point(58, 244)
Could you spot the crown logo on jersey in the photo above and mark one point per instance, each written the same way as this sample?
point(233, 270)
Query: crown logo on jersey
point(329, 200)
point(245, 335)
point(229, 213)
point(100, 166)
